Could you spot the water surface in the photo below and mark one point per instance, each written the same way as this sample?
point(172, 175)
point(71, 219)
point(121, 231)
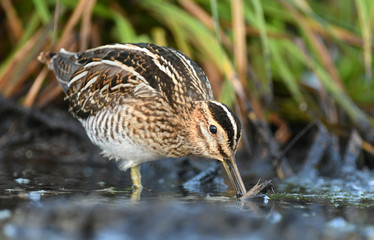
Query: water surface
point(40, 200)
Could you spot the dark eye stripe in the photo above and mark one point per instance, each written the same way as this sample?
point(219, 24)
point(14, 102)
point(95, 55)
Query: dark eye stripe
point(222, 152)
point(228, 121)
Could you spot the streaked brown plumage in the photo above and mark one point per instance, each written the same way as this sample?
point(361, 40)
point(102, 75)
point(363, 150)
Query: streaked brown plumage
point(141, 102)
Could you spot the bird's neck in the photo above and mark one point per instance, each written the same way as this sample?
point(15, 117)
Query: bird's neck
point(194, 139)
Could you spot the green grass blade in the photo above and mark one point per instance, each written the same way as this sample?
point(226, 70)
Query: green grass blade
point(42, 10)
point(30, 29)
point(123, 29)
point(363, 11)
point(284, 71)
point(260, 20)
point(213, 4)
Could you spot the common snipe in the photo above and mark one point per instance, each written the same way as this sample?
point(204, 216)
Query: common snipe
point(141, 102)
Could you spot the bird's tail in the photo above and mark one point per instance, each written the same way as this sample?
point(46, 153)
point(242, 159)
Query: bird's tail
point(63, 64)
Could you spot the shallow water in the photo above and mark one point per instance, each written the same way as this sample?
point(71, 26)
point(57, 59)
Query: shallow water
point(86, 201)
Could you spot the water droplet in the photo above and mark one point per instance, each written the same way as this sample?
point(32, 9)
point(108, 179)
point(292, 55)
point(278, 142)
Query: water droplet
point(22, 180)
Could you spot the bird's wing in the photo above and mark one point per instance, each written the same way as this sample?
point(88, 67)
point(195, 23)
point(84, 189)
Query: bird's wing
point(113, 73)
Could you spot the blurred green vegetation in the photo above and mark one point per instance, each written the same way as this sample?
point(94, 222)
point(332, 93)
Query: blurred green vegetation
point(297, 60)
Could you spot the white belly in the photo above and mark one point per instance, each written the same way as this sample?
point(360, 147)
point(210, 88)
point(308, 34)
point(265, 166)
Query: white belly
point(117, 146)
point(127, 153)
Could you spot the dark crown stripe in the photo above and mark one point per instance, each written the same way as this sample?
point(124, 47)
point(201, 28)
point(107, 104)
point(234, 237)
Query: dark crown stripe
point(228, 121)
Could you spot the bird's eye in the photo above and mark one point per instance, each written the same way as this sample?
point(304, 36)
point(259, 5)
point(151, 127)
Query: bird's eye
point(213, 129)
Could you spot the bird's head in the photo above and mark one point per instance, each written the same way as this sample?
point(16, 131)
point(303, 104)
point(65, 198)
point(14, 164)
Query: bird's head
point(215, 132)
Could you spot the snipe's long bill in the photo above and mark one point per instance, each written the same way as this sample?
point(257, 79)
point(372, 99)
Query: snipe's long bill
point(234, 175)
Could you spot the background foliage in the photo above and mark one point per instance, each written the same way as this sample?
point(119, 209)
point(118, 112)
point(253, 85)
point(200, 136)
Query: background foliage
point(279, 62)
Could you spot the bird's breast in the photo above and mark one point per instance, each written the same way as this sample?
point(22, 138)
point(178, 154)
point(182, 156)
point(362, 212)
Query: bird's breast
point(136, 133)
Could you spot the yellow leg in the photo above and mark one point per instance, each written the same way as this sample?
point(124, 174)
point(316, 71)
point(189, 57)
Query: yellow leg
point(136, 177)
